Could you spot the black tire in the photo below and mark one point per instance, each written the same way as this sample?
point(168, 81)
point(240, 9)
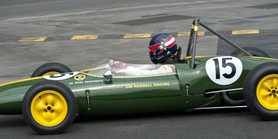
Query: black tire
point(230, 101)
point(50, 67)
point(258, 103)
point(253, 51)
point(37, 94)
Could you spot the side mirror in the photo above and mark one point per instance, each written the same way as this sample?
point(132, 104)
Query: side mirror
point(107, 77)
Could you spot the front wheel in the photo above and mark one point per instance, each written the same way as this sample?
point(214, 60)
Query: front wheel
point(49, 107)
point(261, 91)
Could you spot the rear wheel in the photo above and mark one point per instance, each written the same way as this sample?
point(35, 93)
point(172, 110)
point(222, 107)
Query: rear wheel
point(50, 69)
point(261, 91)
point(49, 107)
point(253, 51)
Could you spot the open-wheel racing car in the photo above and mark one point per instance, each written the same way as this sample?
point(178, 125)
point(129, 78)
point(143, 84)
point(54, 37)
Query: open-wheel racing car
point(54, 96)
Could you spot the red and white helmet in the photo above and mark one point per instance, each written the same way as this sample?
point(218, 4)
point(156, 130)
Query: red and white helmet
point(162, 47)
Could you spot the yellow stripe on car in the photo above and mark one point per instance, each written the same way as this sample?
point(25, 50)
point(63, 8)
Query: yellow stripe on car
point(19, 81)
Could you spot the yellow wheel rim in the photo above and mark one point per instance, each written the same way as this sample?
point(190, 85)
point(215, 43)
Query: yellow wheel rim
point(267, 92)
point(49, 108)
point(50, 73)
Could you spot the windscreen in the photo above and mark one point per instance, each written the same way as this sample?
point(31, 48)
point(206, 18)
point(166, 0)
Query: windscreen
point(122, 69)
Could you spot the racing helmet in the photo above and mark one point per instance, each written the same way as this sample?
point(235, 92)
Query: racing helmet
point(162, 48)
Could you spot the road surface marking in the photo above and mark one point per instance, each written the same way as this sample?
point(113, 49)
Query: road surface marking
point(33, 39)
point(84, 37)
point(133, 36)
point(251, 31)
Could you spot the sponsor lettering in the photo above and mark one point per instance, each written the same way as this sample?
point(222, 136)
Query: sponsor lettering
point(148, 85)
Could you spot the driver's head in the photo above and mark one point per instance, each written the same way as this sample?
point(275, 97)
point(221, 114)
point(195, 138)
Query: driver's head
point(162, 48)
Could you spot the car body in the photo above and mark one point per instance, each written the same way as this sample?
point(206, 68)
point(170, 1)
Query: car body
point(183, 90)
point(197, 83)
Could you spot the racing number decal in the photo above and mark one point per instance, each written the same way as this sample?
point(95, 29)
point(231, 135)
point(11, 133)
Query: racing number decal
point(62, 76)
point(224, 70)
point(224, 65)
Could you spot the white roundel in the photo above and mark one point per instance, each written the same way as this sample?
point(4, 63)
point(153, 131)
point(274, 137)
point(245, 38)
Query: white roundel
point(61, 76)
point(224, 70)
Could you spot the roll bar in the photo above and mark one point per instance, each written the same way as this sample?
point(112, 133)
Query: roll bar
point(192, 43)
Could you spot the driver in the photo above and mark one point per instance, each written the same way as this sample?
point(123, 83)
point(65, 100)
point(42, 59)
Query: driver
point(163, 49)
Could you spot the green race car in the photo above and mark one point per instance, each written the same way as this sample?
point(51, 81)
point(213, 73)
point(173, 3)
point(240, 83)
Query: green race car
point(54, 96)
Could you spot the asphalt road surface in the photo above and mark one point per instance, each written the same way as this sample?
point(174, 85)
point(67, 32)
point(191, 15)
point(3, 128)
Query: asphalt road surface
point(64, 18)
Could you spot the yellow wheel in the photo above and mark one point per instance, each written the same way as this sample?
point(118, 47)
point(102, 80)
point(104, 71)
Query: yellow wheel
point(50, 69)
point(49, 107)
point(50, 73)
point(260, 90)
point(267, 92)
